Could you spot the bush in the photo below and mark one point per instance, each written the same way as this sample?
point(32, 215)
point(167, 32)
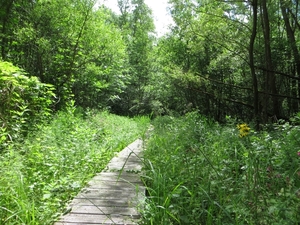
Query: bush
point(25, 102)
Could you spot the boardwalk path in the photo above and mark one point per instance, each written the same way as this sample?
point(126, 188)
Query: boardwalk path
point(112, 196)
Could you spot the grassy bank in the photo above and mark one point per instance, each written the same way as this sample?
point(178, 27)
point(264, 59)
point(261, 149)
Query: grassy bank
point(199, 172)
point(39, 176)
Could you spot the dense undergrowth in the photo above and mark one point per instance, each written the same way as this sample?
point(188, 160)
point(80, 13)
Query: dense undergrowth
point(200, 172)
point(40, 175)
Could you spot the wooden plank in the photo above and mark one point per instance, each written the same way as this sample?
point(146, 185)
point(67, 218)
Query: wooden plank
point(96, 223)
point(129, 166)
point(102, 202)
point(124, 187)
point(98, 219)
point(108, 194)
point(102, 210)
point(116, 174)
point(124, 158)
point(117, 177)
point(106, 223)
point(75, 223)
point(110, 181)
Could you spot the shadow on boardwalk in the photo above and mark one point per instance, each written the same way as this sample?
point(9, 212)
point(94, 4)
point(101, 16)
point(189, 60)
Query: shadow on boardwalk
point(112, 196)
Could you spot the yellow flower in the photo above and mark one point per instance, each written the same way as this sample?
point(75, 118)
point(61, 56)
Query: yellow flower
point(244, 129)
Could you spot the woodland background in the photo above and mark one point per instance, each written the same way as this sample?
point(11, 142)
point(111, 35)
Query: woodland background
point(224, 58)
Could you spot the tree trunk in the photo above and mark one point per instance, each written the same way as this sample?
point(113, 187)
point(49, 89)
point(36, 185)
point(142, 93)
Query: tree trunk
point(291, 36)
point(7, 6)
point(252, 66)
point(270, 74)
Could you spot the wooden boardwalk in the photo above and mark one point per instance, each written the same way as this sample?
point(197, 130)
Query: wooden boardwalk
point(112, 196)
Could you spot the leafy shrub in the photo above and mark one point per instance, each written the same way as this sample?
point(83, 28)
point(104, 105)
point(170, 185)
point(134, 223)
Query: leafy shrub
point(25, 101)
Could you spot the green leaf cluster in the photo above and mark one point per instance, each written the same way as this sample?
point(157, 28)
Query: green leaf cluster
point(25, 102)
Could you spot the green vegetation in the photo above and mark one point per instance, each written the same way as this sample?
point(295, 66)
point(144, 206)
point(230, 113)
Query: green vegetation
point(222, 58)
point(39, 176)
point(63, 61)
point(200, 172)
point(25, 102)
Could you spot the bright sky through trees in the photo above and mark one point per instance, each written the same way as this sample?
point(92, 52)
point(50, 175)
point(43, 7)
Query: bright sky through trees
point(162, 19)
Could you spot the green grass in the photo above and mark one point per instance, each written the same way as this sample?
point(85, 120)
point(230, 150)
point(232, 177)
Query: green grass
point(39, 176)
point(199, 172)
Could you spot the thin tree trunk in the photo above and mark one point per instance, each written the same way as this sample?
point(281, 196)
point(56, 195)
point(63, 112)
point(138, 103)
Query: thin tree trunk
point(252, 66)
point(5, 20)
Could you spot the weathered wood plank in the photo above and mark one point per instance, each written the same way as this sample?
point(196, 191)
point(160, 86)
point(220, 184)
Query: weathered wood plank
point(111, 183)
point(106, 223)
point(129, 166)
point(125, 187)
point(117, 177)
point(97, 223)
point(75, 223)
point(102, 202)
point(131, 156)
point(104, 210)
point(98, 219)
point(113, 188)
point(108, 194)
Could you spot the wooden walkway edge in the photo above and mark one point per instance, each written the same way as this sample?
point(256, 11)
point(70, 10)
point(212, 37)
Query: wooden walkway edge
point(112, 196)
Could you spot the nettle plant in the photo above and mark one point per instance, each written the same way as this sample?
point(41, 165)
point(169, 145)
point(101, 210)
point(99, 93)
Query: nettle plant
point(25, 102)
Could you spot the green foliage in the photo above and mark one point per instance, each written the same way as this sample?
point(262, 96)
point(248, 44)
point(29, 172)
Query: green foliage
point(137, 27)
point(199, 172)
point(101, 81)
point(69, 44)
point(39, 177)
point(205, 59)
point(104, 60)
point(25, 102)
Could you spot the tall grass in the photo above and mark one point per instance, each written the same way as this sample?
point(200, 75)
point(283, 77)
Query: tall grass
point(199, 172)
point(39, 176)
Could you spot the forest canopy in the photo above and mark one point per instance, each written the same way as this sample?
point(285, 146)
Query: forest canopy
point(222, 58)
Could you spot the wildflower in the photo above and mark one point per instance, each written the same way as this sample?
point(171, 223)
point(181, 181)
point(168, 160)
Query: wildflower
point(244, 129)
point(298, 153)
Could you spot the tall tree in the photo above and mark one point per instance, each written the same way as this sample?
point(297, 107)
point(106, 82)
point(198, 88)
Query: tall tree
point(137, 26)
point(251, 62)
point(290, 19)
point(270, 83)
point(101, 72)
